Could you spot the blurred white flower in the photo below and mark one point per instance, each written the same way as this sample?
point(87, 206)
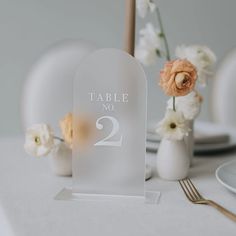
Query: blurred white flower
point(174, 126)
point(200, 56)
point(189, 105)
point(143, 6)
point(149, 46)
point(39, 140)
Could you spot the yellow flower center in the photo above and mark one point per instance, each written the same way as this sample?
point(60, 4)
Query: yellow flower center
point(37, 140)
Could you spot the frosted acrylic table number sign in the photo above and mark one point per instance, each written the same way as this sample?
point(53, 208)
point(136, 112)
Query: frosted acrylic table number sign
point(109, 127)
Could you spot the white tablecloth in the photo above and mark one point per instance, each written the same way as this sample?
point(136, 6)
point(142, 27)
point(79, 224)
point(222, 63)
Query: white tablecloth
point(28, 208)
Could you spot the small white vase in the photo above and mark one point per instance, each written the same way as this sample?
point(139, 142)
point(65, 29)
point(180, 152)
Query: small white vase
point(189, 141)
point(61, 160)
point(172, 160)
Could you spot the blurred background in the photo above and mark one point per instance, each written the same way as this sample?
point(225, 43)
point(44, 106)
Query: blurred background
point(29, 27)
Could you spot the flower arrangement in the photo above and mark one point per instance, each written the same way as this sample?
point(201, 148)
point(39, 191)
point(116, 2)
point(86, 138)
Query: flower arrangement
point(40, 139)
point(178, 78)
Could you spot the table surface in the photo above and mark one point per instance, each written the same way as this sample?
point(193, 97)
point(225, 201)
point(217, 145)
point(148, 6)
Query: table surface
point(28, 208)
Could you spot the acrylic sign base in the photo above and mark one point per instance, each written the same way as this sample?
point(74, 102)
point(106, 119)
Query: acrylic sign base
point(150, 197)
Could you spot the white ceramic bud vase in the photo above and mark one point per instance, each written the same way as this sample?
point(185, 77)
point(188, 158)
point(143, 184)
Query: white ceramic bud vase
point(61, 160)
point(172, 159)
point(189, 141)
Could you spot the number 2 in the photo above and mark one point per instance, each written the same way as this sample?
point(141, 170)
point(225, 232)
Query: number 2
point(115, 128)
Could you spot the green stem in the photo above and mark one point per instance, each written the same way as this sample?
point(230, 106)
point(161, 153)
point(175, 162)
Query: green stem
point(60, 139)
point(174, 109)
point(165, 43)
point(163, 34)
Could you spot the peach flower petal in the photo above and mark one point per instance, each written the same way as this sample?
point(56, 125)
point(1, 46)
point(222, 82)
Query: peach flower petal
point(178, 77)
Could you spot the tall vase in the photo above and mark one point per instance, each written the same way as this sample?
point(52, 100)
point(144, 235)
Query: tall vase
point(189, 141)
point(172, 160)
point(61, 160)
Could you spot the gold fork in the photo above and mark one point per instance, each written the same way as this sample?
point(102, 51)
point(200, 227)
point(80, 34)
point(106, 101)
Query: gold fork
point(195, 197)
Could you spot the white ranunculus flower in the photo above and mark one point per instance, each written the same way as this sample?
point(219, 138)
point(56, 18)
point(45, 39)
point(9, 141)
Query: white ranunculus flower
point(189, 105)
point(143, 6)
point(174, 126)
point(150, 44)
point(200, 56)
point(146, 55)
point(39, 140)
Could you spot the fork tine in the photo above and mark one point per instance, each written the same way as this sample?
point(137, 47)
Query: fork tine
point(194, 189)
point(184, 181)
point(185, 190)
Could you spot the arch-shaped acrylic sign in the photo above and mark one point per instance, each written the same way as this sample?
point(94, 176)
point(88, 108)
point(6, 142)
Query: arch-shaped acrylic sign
point(109, 125)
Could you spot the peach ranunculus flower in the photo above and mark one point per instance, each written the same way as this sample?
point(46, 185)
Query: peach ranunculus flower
point(178, 77)
point(66, 125)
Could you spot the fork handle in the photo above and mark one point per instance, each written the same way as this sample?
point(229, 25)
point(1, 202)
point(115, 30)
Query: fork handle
point(224, 211)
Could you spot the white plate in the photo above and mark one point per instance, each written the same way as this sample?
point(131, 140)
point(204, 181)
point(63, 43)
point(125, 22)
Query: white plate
point(201, 149)
point(206, 149)
point(226, 175)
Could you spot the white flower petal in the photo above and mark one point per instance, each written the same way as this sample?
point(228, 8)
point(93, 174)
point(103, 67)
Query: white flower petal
point(200, 56)
point(188, 105)
point(152, 6)
point(145, 56)
point(30, 148)
point(171, 117)
point(143, 6)
point(44, 134)
point(149, 43)
point(42, 151)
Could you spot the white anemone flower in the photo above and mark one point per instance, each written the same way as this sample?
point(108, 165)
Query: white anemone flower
point(149, 46)
point(39, 140)
point(189, 105)
point(174, 126)
point(200, 56)
point(143, 6)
